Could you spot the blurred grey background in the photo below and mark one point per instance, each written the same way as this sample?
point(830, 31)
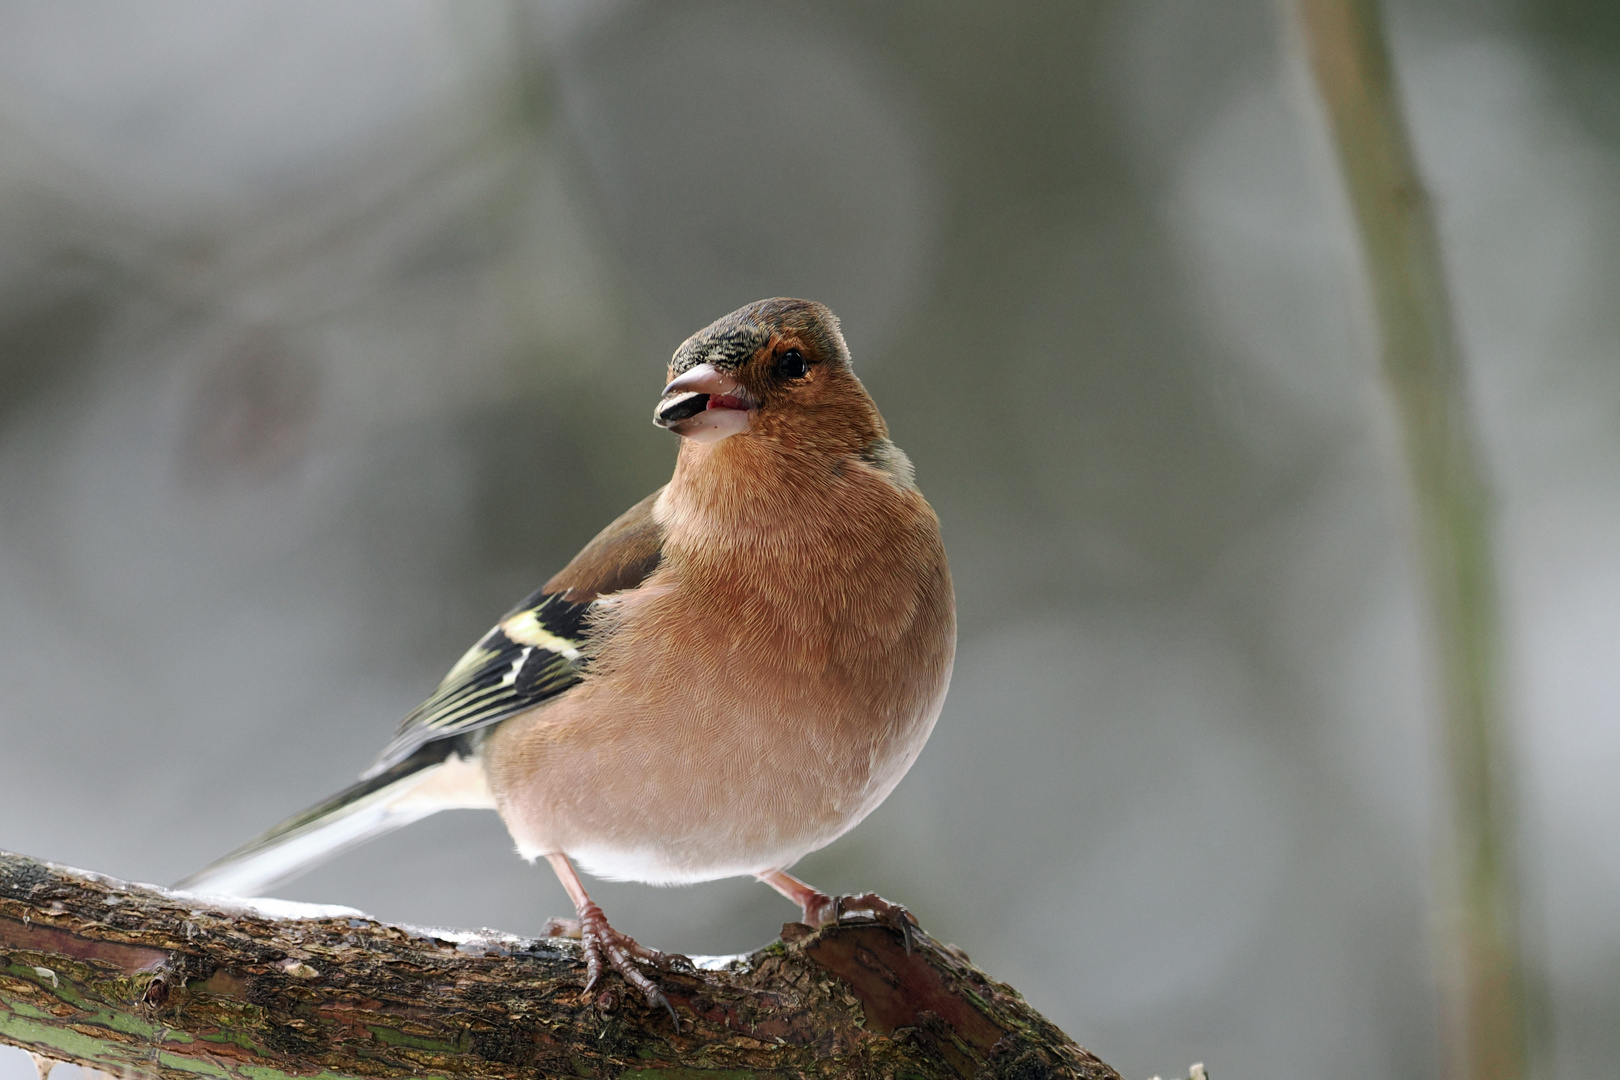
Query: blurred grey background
point(327, 331)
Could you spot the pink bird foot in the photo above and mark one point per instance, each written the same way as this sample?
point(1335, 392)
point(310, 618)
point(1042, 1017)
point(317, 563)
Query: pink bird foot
point(606, 947)
point(822, 910)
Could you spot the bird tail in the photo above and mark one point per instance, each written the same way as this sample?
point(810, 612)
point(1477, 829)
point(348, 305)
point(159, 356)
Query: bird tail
point(436, 777)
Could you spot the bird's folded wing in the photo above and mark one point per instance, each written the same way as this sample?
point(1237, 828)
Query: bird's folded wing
point(538, 649)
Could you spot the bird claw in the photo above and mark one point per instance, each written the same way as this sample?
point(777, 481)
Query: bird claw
point(883, 912)
point(824, 910)
point(600, 942)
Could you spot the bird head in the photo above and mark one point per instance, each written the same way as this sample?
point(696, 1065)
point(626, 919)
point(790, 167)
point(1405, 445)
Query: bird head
point(776, 369)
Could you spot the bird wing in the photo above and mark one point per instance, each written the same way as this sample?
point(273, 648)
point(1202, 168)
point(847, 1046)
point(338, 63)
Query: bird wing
point(539, 649)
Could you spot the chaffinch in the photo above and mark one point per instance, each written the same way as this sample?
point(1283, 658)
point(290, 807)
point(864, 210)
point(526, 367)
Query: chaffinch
point(730, 676)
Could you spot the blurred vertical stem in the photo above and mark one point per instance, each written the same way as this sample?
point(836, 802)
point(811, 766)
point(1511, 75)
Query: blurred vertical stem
point(1423, 365)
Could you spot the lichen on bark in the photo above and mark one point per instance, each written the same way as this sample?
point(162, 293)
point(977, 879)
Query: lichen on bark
point(130, 979)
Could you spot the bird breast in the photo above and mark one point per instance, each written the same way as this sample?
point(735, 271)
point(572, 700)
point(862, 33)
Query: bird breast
point(759, 694)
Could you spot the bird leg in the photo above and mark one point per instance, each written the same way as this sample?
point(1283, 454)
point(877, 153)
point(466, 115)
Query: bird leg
point(817, 906)
point(598, 940)
point(823, 910)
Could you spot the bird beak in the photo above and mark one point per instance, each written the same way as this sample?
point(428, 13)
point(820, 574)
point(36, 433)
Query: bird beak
point(704, 405)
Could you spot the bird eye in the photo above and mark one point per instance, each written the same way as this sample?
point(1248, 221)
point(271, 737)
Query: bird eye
point(792, 365)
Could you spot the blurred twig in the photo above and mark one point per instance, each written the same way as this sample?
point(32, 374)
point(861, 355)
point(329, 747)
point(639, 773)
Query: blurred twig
point(1423, 366)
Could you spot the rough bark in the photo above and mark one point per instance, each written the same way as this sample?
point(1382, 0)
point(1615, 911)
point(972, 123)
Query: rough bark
point(131, 979)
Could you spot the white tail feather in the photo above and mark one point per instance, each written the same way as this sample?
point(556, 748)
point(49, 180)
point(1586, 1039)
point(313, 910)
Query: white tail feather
point(453, 784)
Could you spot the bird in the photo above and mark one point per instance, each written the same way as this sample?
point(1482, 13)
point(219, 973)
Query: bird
point(731, 675)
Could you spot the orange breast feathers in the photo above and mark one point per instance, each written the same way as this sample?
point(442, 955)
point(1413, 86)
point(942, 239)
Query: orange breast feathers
point(819, 580)
point(766, 686)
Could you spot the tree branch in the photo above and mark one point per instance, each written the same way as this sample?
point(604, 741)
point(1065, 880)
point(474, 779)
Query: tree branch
point(131, 979)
